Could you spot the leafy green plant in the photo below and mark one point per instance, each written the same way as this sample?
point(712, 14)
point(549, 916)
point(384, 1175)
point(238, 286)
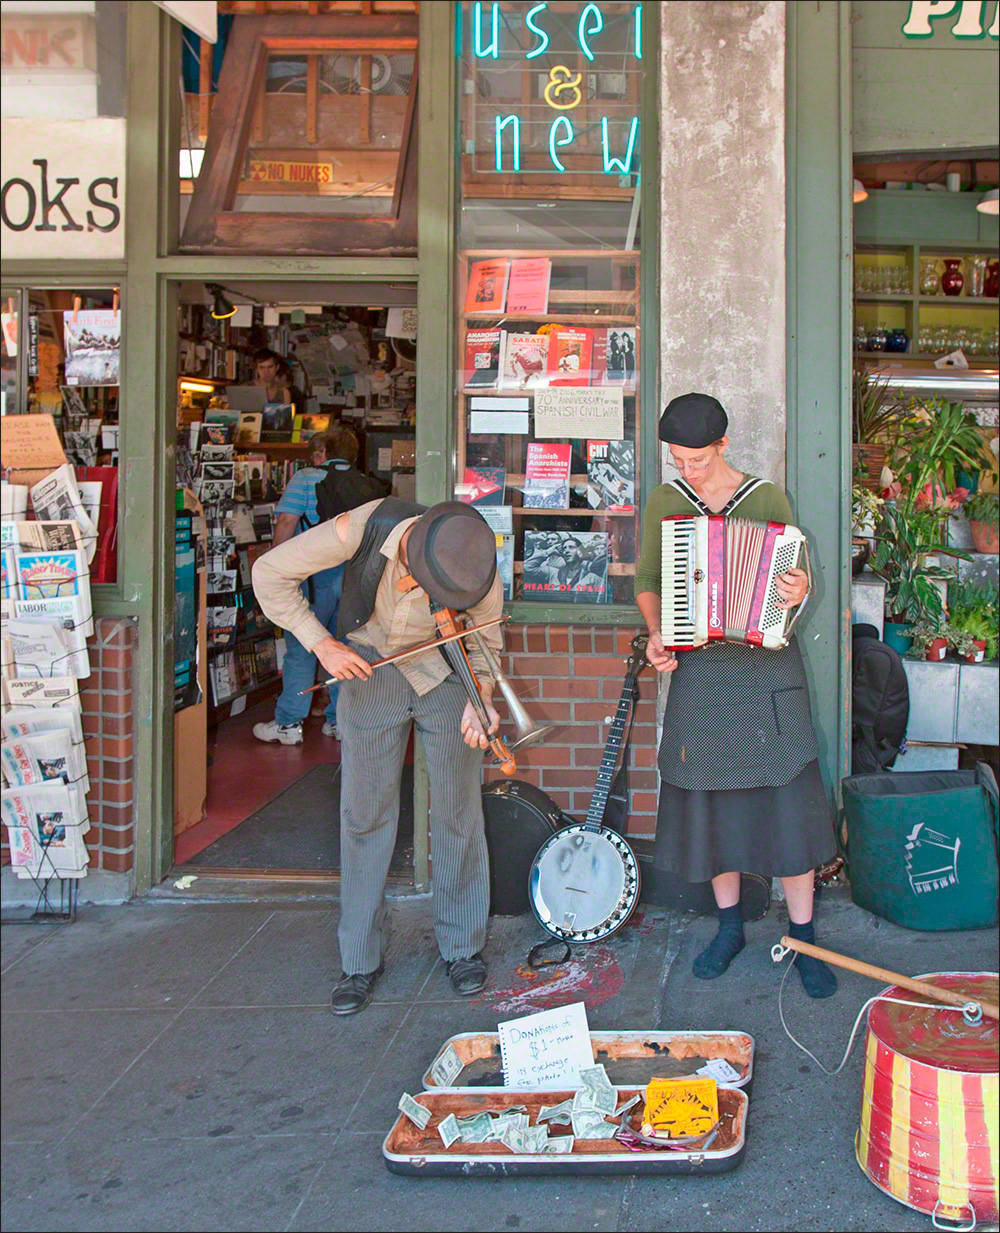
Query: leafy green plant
point(926, 631)
point(874, 409)
point(903, 540)
point(974, 617)
point(866, 507)
point(936, 440)
point(984, 507)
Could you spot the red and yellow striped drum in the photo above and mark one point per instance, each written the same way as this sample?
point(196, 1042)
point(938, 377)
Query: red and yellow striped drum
point(929, 1113)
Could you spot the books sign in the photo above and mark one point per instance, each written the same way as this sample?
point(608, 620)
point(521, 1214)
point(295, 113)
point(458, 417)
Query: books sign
point(63, 188)
point(576, 412)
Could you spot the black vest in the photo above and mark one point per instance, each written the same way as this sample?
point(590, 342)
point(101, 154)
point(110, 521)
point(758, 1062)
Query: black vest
point(364, 570)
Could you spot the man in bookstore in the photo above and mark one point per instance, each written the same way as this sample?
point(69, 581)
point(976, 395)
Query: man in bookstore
point(399, 557)
point(294, 513)
point(268, 364)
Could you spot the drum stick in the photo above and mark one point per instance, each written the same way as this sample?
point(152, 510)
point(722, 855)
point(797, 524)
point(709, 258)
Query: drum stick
point(889, 978)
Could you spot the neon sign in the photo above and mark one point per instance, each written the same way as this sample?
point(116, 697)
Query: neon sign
point(564, 89)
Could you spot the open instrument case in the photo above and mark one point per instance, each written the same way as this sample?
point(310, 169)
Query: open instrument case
point(631, 1059)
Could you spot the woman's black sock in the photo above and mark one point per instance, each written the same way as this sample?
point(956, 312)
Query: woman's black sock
point(724, 947)
point(817, 979)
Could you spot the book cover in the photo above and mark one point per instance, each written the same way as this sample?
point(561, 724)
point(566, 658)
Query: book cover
point(570, 349)
point(221, 625)
point(546, 476)
point(528, 285)
point(621, 357)
point(218, 434)
point(92, 343)
point(568, 566)
point(482, 358)
point(266, 656)
point(277, 421)
point(487, 289)
point(484, 485)
point(599, 358)
point(306, 426)
point(249, 428)
point(611, 475)
point(524, 362)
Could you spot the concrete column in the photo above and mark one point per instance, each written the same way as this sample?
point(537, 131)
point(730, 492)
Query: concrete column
point(722, 219)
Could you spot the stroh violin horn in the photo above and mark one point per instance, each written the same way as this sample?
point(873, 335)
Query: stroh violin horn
point(526, 730)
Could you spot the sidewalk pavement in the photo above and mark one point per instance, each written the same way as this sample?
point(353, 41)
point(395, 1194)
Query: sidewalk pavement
point(177, 1066)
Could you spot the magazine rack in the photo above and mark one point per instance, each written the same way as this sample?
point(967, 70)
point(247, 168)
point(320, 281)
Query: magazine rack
point(47, 911)
point(614, 303)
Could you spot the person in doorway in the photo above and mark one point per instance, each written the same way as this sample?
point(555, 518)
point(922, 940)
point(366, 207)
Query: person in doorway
point(268, 365)
point(296, 512)
point(400, 558)
point(740, 782)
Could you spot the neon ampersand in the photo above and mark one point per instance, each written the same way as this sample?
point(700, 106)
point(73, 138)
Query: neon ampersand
point(562, 81)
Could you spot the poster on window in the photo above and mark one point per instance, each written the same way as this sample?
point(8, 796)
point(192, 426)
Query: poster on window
point(92, 339)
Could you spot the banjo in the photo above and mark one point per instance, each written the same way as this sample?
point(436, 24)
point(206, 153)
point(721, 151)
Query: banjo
point(584, 880)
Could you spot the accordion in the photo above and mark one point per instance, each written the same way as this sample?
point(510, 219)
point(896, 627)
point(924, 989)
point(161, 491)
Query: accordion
point(719, 579)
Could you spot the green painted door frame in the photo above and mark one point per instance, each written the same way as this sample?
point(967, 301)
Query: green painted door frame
point(818, 376)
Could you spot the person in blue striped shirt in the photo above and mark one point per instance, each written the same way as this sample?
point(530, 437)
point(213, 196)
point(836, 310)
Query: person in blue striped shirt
point(294, 513)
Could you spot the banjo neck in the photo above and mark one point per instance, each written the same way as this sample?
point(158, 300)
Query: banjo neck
point(612, 747)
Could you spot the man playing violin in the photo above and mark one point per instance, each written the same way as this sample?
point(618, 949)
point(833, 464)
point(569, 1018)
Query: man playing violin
point(400, 558)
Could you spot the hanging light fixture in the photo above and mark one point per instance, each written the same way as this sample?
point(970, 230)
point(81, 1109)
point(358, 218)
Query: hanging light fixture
point(860, 192)
point(221, 307)
point(990, 203)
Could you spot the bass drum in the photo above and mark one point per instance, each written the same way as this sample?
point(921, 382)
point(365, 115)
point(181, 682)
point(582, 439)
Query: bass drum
point(519, 819)
point(584, 883)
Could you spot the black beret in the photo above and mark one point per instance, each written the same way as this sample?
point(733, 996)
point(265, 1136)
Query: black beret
point(694, 421)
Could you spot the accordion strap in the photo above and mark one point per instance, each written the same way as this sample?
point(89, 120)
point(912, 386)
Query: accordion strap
point(750, 484)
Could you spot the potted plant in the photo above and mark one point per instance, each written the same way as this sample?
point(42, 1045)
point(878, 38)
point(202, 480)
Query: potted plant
point(912, 593)
point(874, 413)
point(983, 513)
point(935, 441)
point(866, 509)
point(931, 637)
point(974, 622)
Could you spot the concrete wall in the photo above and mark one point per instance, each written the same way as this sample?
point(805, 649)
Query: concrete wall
point(937, 93)
point(722, 203)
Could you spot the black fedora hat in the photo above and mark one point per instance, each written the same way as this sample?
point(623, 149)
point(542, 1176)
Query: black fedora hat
point(453, 554)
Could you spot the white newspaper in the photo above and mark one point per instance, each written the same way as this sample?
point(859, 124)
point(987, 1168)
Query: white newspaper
point(57, 498)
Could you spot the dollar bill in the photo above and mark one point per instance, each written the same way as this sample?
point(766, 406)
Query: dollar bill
point(594, 1077)
point(446, 1068)
point(513, 1137)
point(418, 1114)
point(560, 1145)
point(586, 1121)
point(476, 1129)
point(629, 1104)
point(603, 1130)
point(552, 1112)
point(598, 1089)
point(449, 1131)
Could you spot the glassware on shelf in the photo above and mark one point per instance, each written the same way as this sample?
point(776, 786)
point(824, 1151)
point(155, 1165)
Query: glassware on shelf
point(878, 338)
point(860, 337)
point(929, 277)
point(977, 272)
point(925, 340)
point(898, 341)
point(952, 280)
point(991, 285)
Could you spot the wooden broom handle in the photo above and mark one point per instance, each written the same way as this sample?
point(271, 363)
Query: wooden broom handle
point(890, 978)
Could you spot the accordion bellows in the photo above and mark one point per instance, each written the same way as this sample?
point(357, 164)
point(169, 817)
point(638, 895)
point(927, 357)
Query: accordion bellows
point(718, 580)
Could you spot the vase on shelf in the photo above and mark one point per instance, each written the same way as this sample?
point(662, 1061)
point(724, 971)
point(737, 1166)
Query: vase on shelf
point(929, 278)
point(878, 339)
point(898, 341)
point(952, 280)
point(991, 283)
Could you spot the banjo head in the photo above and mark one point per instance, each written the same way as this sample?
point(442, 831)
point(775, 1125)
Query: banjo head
point(584, 883)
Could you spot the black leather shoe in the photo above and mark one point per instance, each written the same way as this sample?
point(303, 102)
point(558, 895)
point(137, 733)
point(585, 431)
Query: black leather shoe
point(353, 993)
point(467, 976)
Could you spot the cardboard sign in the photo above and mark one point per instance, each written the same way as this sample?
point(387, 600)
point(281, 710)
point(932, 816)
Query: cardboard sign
point(548, 1049)
point(30, 448)
point(580, 411)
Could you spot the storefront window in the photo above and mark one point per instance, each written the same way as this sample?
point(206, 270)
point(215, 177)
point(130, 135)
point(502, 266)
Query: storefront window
point(548, 293)
point(326, 133)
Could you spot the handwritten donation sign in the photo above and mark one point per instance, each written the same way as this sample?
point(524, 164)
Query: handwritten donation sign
point(577, 411)
point(548, 1049)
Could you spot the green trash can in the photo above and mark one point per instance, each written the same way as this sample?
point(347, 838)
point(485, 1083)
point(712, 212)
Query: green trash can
point(922, 847)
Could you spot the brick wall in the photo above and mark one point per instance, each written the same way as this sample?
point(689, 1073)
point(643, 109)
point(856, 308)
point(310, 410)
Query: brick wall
point(106, 697)
point(572, 676)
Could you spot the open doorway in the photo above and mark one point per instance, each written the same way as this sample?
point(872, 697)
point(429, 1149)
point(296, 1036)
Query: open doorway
point(274, 382)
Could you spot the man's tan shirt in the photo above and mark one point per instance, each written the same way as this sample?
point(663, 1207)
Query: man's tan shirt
point(398, 621)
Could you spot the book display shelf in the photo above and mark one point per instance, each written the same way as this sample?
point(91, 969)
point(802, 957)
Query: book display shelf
point(550, 340)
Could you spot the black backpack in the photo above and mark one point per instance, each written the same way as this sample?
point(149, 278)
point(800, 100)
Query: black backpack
point(343, 488)
point(880, 700)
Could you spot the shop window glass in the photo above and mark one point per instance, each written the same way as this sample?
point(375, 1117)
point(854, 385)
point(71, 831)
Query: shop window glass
point(70, 369)
point(548, 293)
point(324, 132)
